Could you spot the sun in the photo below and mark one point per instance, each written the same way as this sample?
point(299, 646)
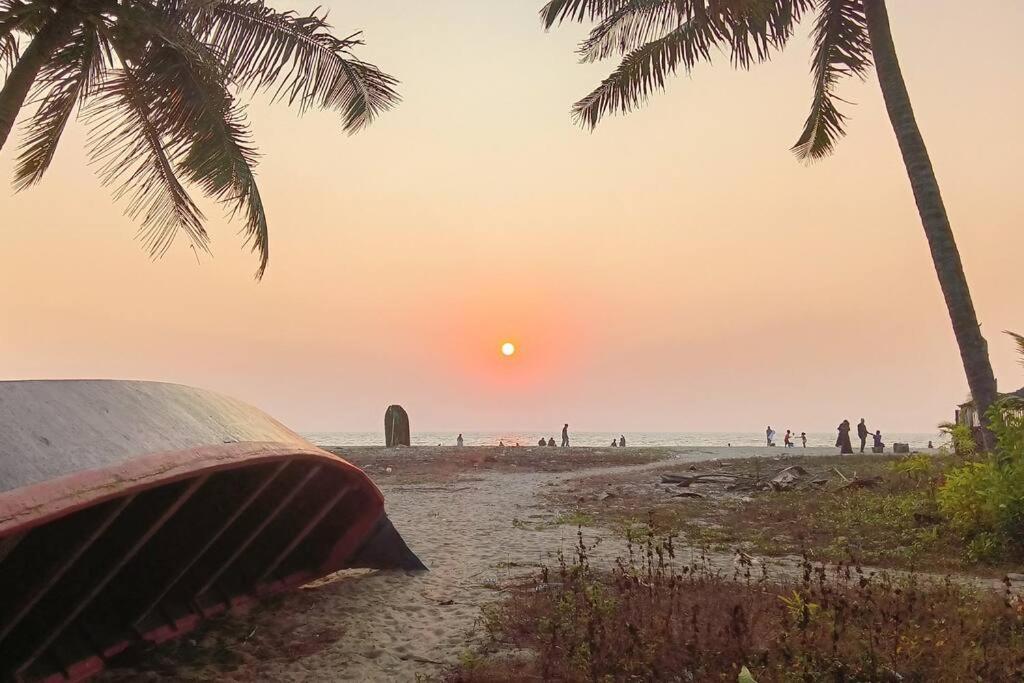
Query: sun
point(508, 348)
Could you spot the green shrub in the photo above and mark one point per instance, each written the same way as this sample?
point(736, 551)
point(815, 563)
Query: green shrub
point(984, 501)
point(962, 439)
point(917, 467)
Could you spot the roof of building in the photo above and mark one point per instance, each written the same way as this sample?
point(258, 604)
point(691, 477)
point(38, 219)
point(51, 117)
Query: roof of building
point(1013, 394)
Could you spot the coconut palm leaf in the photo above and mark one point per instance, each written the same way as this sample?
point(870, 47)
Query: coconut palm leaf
point(629, 26)
point(12, 15)
point(156, 82)
point(647, 68)
point(841, 48)
point(64, 82)
point(660, 36)
point(8, 53)
point(207, 132)
point(298, 57)
point(24, 17)
point(558, 11)
point(1020, 343)
point(127, 148)
point(759, 27)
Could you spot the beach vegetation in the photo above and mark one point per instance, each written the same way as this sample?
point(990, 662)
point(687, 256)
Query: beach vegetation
point(984, 500)
point(936, 511)
point(651, 617)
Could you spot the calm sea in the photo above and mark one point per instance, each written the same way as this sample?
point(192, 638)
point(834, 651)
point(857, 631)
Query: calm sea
point(528, 438)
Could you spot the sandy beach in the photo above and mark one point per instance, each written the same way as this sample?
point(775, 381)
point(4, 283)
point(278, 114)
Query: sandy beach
point(478, 527)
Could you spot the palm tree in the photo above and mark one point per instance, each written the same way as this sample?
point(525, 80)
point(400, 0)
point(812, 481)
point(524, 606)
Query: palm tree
point(156, 81)
point(656, 38)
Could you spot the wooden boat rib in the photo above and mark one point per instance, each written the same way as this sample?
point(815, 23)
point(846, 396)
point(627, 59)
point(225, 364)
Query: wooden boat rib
point(133, 510)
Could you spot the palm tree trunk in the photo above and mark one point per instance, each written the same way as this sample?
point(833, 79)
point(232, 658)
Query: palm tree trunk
point(19, 81)
point(973, 348)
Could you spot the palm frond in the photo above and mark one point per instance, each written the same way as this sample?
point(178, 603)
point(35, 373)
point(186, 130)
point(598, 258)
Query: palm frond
point(558, 11)
point(207, 130)
point(12, 16)
point(126, 145)
point(631, 25)
point(64, 82)
point(1020, 343)
point(646, 69)
point(8, 53)
point(262, 47)
point(842, 48)
point(759, 27)
point(26, 17)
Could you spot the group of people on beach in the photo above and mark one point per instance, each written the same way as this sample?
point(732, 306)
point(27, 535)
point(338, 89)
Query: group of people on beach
point(787, 440)
point(551, 440)
point(843, 442)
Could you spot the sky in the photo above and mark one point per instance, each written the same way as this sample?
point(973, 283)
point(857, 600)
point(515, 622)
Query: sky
point(675, 270)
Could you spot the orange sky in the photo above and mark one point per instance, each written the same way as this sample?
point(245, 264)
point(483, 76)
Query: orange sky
point(675, 270)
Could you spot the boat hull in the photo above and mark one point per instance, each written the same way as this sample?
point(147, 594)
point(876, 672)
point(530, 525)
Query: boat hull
point(133, 511)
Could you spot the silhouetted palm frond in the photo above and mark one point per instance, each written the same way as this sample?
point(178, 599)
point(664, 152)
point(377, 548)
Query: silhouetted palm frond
point(646, 69)
point(8, 52)
point(1020, 343)
point(63, 83)
point(156, 82)
point(558, 11)
point(757, 27)
point(128, 149)
point(298, 57)
point(206, 131)
point(659, 37)
point(841, 48)
point(628, 27)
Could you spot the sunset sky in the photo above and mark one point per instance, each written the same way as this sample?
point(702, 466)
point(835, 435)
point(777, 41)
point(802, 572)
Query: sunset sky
point(675, 270)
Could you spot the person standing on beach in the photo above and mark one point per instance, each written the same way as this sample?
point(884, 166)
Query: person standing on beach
point(459, 442)
point(565, 436)
point(862, 432)
point(622, 441)
point(769, 435)
point(843, 442)
point(803, 438)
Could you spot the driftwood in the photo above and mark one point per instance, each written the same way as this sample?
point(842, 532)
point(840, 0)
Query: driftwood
point(689, 494)
point(786, 478)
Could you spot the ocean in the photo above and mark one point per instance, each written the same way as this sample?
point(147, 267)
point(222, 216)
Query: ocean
point(530, 438)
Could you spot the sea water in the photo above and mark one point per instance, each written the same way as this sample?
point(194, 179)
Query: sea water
point(678, 439)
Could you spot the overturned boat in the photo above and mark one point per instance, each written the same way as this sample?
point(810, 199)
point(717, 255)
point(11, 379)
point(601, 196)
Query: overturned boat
point(133, 510)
